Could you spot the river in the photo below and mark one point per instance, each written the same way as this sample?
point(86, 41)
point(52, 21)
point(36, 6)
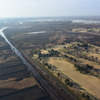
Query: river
point(43, 82)
point(85, 21)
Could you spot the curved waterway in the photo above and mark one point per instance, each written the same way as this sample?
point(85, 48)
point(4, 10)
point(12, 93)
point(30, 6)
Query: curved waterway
point(31, 68)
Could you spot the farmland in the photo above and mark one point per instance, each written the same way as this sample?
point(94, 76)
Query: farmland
point(16, 82)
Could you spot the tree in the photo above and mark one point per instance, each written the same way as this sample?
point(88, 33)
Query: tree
point(96, 58)
point(71, 84)
point(87, 97)
point(49, 66)
point(67, 81)
point(58, 74)
point(83, 95)
point(85, 44)
point(97, 50)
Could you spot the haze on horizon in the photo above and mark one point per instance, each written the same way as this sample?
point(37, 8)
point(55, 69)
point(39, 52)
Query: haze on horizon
point(38, 8)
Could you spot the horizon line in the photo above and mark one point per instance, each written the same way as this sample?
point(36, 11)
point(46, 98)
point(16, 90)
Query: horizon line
point(53, 16)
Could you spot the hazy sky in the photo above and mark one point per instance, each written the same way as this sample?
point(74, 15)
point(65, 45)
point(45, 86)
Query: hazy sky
point(34, 8)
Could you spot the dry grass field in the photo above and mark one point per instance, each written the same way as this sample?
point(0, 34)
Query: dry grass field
point(92, 31)
point(94, 64)
point(44, 51)
point(95, 55)
point(87, 82)
point(16, 85)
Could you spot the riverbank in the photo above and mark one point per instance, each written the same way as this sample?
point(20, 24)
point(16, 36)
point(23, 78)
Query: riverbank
point(16, 82)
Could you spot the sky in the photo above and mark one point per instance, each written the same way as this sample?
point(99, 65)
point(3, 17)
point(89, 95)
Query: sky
point(44, 8)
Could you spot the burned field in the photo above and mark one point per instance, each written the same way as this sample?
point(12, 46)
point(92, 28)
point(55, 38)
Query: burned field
point(16, 82)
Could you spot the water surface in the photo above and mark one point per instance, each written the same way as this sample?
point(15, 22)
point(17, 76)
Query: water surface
point(37, 32)
point(84, 21)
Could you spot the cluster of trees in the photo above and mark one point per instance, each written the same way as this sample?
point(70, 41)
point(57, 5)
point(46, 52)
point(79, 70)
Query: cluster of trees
point(53, 53)
point(87, 97)
point(36, 51)
point(50, 54)
point(87, 69)
point(68, 82)
point(84, 44)
point(91, 58)
point(50, 66)
point(84, 68)
point(71, 58)
point(91, 30)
